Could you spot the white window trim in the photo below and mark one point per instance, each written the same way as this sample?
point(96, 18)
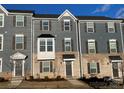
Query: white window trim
point(110, 45)
point(2, 42)
point(89, 27)
point(43, 25)
point(66, 20)
point(91, 40)
point(108, 27)
point(66, 46)
point(1, 64)
point(21, 21)
point(18, 35)
point(43, 66)
point(1, 14)
point(53, 40)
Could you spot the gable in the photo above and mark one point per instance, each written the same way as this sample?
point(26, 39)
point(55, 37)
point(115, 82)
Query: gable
point(66, 13)
point(3, 10)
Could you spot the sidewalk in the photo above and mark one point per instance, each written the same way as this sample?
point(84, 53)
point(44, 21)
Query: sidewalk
point(80, 84)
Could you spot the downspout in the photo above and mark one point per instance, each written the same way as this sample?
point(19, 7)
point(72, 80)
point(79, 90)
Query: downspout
point(79, 48)
point(122, 64)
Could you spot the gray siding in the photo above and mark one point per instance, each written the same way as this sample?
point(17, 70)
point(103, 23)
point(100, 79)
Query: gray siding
point(101, 36)
point(8, 32)
point(56, 30)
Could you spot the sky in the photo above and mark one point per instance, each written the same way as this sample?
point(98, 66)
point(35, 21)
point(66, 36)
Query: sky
point(109, 10)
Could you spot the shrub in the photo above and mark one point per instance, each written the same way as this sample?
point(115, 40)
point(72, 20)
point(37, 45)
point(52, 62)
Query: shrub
point(46, 78)
point(2, 79)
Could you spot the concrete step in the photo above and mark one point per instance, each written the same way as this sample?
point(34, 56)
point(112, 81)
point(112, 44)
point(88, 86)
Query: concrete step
point(16, 79)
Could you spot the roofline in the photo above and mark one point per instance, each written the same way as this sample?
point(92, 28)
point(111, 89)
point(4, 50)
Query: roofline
point(67, 12)
point(4, 9)
point(119, 20)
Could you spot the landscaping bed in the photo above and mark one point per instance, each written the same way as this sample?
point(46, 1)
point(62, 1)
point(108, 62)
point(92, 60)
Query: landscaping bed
point(46, 78)
point(3, 80)
point(102, 83)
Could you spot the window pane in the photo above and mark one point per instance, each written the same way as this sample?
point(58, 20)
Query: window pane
point(49, 48)
point(67, 28)
point(19, 42)
point(67, 25)
point(67, 43)
point(90, 29)
point(91, 46)
point(49, 45)
point(46, 66)
point(45, 27)
point(42, 45)
point(93, 67)
point(19, 20)
point(42, 48)
point(46, 69)
point(19, 46)
point(45, 24)
point(113, 46)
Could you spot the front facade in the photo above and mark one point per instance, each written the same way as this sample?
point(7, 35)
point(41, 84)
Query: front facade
point(65, 45)
point(15, 43)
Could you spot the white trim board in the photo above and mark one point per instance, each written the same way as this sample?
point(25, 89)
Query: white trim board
point(67, 11)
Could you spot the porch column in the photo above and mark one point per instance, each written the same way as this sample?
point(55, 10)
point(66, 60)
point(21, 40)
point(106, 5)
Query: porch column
point(14, 62)
point(23, 64)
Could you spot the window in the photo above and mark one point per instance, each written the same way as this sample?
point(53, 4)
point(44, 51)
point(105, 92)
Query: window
point(113, 45)
point(1, 42)
point(0, 64)
point(45, 25)
point(93, 68)
point(42, 45)
point(67, 44)
point(90, 27)
point(19, 42)
point(19, 21)
point(91, 46)
point(111, 28)
point(49, 45)
point(66, 25)
point(1, 20)
point(46, 44)
point(46, 66)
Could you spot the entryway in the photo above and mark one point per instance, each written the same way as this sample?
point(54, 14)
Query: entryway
point(68, 69)
point(18, 67)
point(115, 70)
point(18, 60)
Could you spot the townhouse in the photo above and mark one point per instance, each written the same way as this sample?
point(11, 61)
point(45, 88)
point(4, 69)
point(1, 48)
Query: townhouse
point(51, 45)
point(15, 42)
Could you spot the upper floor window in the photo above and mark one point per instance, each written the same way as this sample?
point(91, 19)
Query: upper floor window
point(46, 45)
point(1, 20)
point(0, 64)
point(45, 25)
point(67, 44)
point(90, 27)
point(1, 42)
point(19, 21)
point(19, 42)
point(91, 46)
point(113, 45)
point(66, 25)
point(111, 27)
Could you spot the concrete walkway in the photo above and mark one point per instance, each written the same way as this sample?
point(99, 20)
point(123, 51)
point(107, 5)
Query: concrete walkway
point(79, 83)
